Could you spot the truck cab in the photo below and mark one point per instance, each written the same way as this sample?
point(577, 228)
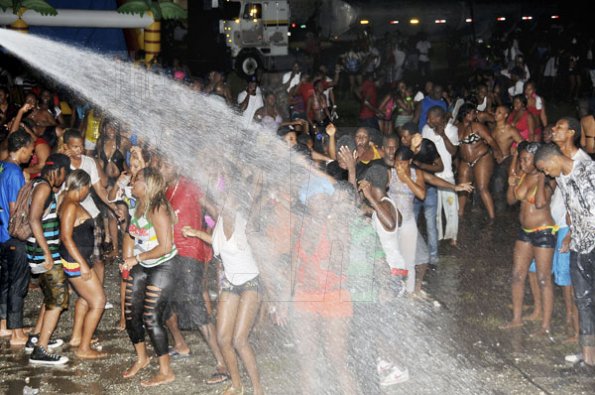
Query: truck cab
point(258, 35)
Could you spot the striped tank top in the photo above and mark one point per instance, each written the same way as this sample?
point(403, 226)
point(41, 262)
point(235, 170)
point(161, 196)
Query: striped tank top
point(145, 239)
point(51, 231)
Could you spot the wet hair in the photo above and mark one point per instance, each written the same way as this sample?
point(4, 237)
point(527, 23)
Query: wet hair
point(72, 134)
point(377, 175)
point(547, 152)
point(522, 146)
point(55, 162)
point(574, 124)
point(436, 110)
point(465, 110)
point(404, 153)
point(155, 192)
point(18, 140)
point(531, 148)
point(522, 98)
point(410, 127)
point(77, 180)
point(346, 140)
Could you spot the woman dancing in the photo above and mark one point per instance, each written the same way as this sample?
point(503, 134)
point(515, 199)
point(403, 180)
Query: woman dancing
point(537, 237)
point(477, 160)
point(240, 296)
point(76, 234)
point(149, 250)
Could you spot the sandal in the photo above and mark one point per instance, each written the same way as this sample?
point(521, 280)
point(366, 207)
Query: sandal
point(217, 378)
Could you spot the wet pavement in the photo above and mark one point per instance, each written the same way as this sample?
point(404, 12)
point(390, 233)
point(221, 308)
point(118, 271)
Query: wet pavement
point(471, 286)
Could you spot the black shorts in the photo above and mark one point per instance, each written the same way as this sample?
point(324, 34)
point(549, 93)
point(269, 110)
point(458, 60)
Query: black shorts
point(186, 299)
point(545, 238)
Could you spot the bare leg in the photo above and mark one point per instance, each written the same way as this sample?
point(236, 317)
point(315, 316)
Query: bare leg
point(179, 342)
point(99, 269)
point(483, 173)
point(122, 323)
point(92, 292)
point(307, 348)
point(210, 334)
point(536, 292)
point(142, 361)
point(50, 320)
point(523, 253)
point(420, 272)
point(247, 310)
point(336, 350)
point(571, 314)
point(80, 310)
point(4, 331)
point(543, 260)
point(227, 311)
point(465, 175)
point(165, 375)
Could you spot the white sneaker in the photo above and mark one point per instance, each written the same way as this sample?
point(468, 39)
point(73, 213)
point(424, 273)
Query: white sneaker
point(574, 358)
point(383, 367)
point(395, 376)
point(108, 306)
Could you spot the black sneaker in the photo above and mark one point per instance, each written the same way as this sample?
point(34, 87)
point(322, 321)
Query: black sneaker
point(33, 339)
point(40, 356)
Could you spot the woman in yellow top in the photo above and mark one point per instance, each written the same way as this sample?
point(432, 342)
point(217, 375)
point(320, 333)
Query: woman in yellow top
point(90, 128)
point(537, 236)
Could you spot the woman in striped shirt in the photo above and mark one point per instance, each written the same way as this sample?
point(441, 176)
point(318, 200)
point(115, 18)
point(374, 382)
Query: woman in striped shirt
point(150, 251)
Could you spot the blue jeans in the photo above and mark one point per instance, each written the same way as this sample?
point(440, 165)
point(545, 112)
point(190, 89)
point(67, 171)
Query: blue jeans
point(430, 205)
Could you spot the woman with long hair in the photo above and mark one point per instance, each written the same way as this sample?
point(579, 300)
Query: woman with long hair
point(76, 250)
point(149, 252)
point(522, 119)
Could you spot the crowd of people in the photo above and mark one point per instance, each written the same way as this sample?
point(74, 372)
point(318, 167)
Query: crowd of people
point(78, 189)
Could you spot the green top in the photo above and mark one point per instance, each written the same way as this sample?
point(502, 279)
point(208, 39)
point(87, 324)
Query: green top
point(366, 261)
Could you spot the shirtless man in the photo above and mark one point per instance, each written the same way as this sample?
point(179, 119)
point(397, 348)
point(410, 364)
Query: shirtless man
point(588, 134)
point(506, 136)
point(41, 115)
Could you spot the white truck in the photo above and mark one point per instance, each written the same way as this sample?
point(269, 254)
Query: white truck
point(258, 36)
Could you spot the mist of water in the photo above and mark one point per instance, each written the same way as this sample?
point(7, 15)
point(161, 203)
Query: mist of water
point(209, 142)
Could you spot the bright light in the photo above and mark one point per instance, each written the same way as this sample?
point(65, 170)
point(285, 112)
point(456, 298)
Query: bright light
point(555, 16)
point(527, 18)
point(501, 19)
point(302, 26)
point(237, 20)
point(364, 22)
point(414, 21)
point(394, 22)
point(293, 25)
point(289, 34)
point(440, 21)
point(468, 20)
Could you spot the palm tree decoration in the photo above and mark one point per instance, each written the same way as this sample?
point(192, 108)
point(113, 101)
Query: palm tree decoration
point(17, 6)
point(159, 9)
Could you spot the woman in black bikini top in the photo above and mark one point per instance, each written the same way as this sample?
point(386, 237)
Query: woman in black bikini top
point(477, 160)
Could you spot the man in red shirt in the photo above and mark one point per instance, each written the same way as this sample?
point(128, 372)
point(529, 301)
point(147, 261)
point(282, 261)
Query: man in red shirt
point(368, 96)
point(187, 305)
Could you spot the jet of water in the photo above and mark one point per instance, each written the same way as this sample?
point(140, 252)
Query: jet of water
point(234, 165)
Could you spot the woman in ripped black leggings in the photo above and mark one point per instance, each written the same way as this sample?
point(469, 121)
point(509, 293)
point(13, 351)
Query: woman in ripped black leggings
point(148, 273)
